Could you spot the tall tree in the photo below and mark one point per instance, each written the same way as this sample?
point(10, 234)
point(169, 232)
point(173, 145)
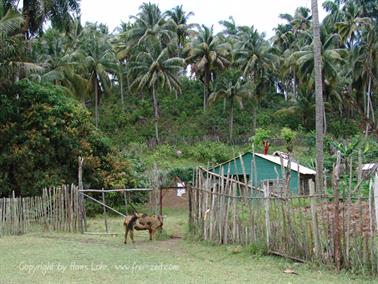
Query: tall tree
point(37, 12)
point(154, 68)
point(319, 104)
point(178, 20)
point(14, 53)
point(254, 55)
point(232, 87)
point(207, 54)
point(100, 62)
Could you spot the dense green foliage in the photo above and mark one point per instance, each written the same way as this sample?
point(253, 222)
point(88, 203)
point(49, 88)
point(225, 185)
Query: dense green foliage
point(43, 132)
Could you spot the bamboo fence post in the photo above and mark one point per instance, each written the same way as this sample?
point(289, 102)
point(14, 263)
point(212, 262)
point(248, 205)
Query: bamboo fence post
point(375, 186)
point(349, 205)
point(314, 218)
point(125, 198)
point(267, 215)
point(371, 226)
point(104, 210)
point(254, 164)
point(336, 173)
point(190, 219)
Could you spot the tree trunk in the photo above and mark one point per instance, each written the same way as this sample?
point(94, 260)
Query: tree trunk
point(156, 113)
point(319, 97)
point(97, 116)
point(26, 16)
point(204, 97)
point(121, 86)
point(231, 121)
point(254, 112)
point(369, 107)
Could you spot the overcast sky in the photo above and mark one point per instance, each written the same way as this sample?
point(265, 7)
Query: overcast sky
point(263, 14)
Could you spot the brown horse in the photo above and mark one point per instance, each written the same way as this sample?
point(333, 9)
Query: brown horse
point(142, 222)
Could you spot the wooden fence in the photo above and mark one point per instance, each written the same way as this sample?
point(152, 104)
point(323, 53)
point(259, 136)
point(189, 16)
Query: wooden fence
point(57, 209)
point(337, 230)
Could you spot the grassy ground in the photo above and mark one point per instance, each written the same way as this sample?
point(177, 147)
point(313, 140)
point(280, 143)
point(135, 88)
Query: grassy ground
point(76, 258)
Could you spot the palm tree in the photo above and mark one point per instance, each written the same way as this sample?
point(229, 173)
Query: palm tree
point(154, 68)
point(232, 87)
point(61, 66)
point(254, 55)
point(319, 105)
point(178, 21)
point(207, 54)
point(36, 13)
point(150, 25)
point(14, 59)
point(99, 60)
point(301, 106)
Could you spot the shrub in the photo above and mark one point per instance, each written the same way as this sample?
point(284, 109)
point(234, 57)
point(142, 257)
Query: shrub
point(42, 134)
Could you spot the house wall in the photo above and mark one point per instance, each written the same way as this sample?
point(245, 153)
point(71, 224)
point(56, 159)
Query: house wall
point(264, 170)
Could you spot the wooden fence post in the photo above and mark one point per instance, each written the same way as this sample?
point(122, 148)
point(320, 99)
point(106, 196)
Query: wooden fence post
point(104, 209)
point(336, 173)
point(161, 201)
point(80, 195)
point(314, 218)
point(189, 190)
point(267, 214)
point(375, 189)
point(125, 197)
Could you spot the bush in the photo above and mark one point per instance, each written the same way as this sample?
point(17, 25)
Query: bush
point(42, 134)
point(213, 152)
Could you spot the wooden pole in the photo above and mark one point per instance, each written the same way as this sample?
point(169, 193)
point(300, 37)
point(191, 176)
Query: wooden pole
point(267, 214)
point(375, 189)
point(125, 198)
point(314, 219)
point(80, 196)
point(189, 190)
point(161, 201)
point(105, 217)
point(336, 173)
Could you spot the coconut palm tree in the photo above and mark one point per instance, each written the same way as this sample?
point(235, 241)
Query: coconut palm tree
point(37, 12)
point(150, 25)
point(14, 54)
point(207, 54)
point(99, 60)
point(61, 65)
point(232, 87)
point(177, 20)
point(319, 105)
point(257, 61)
point(152, 69)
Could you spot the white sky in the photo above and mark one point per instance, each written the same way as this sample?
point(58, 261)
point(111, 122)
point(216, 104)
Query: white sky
point(263, 14)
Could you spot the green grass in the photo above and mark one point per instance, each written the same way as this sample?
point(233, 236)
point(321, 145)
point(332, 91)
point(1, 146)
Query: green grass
point(75, 258)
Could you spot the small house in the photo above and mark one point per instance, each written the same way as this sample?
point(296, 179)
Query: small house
point(262, 169)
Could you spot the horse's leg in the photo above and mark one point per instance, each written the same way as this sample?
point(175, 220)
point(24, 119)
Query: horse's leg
point(150, 232)
point(132, 235)
point(126, 231)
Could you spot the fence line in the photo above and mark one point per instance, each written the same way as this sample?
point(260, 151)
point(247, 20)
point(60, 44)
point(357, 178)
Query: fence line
point(57, 209)
point(305, 228)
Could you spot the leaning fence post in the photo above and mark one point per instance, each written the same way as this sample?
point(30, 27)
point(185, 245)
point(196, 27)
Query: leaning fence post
point(267, 215)
point(314, 218)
